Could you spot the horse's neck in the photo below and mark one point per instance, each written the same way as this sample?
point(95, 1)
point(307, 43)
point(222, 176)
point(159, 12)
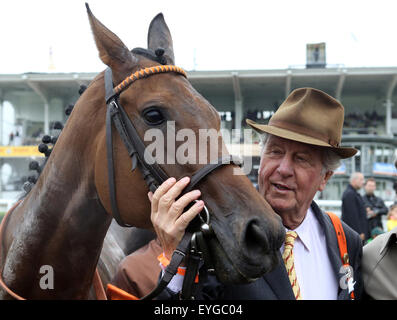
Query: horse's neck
point(60, 224)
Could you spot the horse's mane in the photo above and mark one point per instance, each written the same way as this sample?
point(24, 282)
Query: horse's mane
point(46, 150)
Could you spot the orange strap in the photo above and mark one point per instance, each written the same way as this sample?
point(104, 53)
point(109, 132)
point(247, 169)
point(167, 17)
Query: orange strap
point(340, 235)
point(115, 293)
point(165, 262)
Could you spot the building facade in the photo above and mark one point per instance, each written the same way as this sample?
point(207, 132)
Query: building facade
point(32, 104)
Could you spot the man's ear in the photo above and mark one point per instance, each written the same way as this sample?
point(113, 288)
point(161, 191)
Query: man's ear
point(112, 50)
point(325, 179)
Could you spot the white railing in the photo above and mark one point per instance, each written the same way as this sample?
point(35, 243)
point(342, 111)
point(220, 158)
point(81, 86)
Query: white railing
point(335, 205)
point(6, 204)
point(326, 205)
point(330, 205)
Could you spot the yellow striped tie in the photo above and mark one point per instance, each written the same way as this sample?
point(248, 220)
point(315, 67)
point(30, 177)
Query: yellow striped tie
point(288, 257)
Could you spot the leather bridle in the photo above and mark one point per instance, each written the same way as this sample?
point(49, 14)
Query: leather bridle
point(153, 174)
point(193, 243)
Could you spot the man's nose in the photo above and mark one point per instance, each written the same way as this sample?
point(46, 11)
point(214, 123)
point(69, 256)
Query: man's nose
point(285, 167)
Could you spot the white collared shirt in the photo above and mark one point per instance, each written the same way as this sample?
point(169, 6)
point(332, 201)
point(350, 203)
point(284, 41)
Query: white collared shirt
point(316, 277)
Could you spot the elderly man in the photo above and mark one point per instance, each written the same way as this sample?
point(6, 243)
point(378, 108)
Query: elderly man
point(301, 148)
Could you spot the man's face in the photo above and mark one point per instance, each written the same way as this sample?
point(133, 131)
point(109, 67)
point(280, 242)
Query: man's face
point(393, 213)
point(370, 187)
point(358, 181)
point(290, 174)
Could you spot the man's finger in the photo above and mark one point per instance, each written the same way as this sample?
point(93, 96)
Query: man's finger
point(150, 195)
point(178, 206)
point(183, 221)
point(161, 190)
point(169, 197)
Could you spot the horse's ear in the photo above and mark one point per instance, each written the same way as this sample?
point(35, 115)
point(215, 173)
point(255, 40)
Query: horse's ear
point(159, 37)
point(112, 50)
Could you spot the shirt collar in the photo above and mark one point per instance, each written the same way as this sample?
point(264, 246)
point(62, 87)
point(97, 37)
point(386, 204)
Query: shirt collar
point(305, 228)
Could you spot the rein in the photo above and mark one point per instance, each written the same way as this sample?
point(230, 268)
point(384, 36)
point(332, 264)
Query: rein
point(2, 284)
point(193, 244)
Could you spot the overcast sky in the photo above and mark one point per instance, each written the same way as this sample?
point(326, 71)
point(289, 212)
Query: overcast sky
point(207, 34)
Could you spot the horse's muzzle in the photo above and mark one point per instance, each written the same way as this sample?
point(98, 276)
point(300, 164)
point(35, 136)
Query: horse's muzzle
point(260, 238)
point(252, 253)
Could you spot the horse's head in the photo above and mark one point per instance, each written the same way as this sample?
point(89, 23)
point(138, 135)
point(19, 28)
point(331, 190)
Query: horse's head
point(247, 232)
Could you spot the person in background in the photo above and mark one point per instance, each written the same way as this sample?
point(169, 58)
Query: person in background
point(375, 206)
point(379, 267)
point(137, 273)
point(354, 213)
point(374, 233)
point(380, 261)
point(392, 218)
point(11, 139)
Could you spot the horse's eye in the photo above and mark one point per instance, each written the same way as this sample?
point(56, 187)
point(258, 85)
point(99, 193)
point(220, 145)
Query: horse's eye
point(153, 117)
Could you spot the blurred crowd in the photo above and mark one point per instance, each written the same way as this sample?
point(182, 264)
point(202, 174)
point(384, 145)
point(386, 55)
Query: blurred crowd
point(365, 214)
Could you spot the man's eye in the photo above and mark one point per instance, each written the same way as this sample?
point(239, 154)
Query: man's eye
point(301, 158)
point(274, 153)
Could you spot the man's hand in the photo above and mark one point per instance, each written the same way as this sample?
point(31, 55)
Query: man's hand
point(362, 236)
point(169, 220)
point(370, 213)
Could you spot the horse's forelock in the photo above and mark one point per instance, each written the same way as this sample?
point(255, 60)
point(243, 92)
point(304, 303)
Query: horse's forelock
point(149, 54)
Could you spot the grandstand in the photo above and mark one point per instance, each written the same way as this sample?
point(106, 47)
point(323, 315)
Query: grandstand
point(31, 104)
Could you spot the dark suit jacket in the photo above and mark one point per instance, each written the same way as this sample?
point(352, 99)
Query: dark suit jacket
point(354, 213)
point(276, 286)
point(379, 207)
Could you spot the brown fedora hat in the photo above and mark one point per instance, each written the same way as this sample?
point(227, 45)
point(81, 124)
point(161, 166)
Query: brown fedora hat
point(309, 116)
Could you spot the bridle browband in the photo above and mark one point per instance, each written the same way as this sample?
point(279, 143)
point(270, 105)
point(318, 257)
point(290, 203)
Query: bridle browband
point(193, 243)
point(146, 72)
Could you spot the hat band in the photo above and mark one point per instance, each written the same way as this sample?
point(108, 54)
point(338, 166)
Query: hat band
point(304, 131)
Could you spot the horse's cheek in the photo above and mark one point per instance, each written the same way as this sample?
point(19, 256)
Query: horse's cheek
point(101, 177)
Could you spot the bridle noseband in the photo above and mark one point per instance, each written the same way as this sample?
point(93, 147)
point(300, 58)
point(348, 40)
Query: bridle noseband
point(193, 243)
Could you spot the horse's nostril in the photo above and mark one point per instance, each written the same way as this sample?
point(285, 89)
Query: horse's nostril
point(256, 240)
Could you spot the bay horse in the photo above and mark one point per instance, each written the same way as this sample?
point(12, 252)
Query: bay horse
point(63, 220)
